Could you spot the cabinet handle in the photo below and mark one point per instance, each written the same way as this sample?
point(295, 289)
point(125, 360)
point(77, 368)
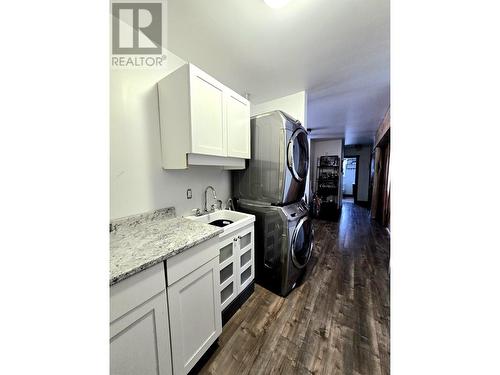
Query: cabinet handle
point(235, 239)
point(239, 237)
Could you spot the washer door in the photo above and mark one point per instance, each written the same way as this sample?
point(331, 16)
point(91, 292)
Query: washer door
point(302, 242)
point(298, 154)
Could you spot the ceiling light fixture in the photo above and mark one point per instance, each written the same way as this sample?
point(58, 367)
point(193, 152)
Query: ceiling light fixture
point(275, 4)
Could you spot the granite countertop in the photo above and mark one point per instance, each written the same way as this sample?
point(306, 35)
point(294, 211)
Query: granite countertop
point(141, 241)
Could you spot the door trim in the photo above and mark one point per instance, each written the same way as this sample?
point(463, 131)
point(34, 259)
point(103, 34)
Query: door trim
point(356, 176)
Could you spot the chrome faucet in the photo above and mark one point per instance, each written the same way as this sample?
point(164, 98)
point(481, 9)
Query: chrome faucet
point(206, 199)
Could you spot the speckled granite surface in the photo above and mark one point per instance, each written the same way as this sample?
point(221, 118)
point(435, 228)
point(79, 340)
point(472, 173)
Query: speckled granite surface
point(139, 242)
point(132, 221)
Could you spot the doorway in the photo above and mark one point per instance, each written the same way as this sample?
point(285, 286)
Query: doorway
point(350, 166)
point(381, 203)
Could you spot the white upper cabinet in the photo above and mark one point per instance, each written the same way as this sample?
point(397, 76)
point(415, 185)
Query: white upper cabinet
point(207, 116)
point(238, 126)
point(202, 121)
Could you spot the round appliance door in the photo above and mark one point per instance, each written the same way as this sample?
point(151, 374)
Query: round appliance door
point(298, 155)
point(302, 242)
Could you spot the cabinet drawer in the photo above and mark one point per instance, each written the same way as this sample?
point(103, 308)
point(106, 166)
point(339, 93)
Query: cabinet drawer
point(135, 290)
point(186, 262)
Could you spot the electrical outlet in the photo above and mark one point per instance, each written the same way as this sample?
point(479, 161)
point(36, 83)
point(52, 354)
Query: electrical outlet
point(189, 194)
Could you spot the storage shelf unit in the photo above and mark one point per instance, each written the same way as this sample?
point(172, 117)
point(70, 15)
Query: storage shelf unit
point(327, 186)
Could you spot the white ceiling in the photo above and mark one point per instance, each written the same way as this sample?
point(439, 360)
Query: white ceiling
point(336, 50)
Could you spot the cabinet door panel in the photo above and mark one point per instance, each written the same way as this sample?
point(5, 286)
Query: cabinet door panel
point(245, 258)
point(246, 276)
point(228, 293)
point(140, 342)
point(245, 239)
point(207, 117)
point(238, 127)
point(195, 315)
point(227, 255)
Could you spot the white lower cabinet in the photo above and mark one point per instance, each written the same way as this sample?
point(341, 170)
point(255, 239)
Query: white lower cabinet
point(139, 329)
point(228, 286)
point(195, 316)
point(236, 263)
point(163, 324)
point(194, 304)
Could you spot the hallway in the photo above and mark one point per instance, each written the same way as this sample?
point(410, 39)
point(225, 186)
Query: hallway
point(336, 322)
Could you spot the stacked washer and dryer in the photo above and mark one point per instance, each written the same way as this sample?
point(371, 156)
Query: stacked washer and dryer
point(272, 188)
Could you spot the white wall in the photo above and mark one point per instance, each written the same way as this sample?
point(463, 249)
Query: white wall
point(295, 105)
point(364, 153)
point(137, 181)
point(322, 148)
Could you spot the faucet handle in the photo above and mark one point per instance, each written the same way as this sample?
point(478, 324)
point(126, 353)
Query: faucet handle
point(196, 211)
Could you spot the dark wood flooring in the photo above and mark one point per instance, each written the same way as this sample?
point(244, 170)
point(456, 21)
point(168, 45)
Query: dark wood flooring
point(336, 322)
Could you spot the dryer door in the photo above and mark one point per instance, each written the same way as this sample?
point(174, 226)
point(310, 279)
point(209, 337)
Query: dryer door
point(298, 155)
point(302, 242)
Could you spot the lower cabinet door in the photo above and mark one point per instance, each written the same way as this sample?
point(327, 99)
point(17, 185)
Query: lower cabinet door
point(195, 315)
point(139, 341)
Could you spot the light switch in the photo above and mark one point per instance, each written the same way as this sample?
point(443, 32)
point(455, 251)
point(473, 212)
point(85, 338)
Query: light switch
point(189, 194)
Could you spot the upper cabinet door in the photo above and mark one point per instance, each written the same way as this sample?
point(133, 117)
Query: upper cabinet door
point(238, 126)
point(207, 116)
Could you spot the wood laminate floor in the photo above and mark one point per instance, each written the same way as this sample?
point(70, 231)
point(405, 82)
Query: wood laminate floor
point(336, 322)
